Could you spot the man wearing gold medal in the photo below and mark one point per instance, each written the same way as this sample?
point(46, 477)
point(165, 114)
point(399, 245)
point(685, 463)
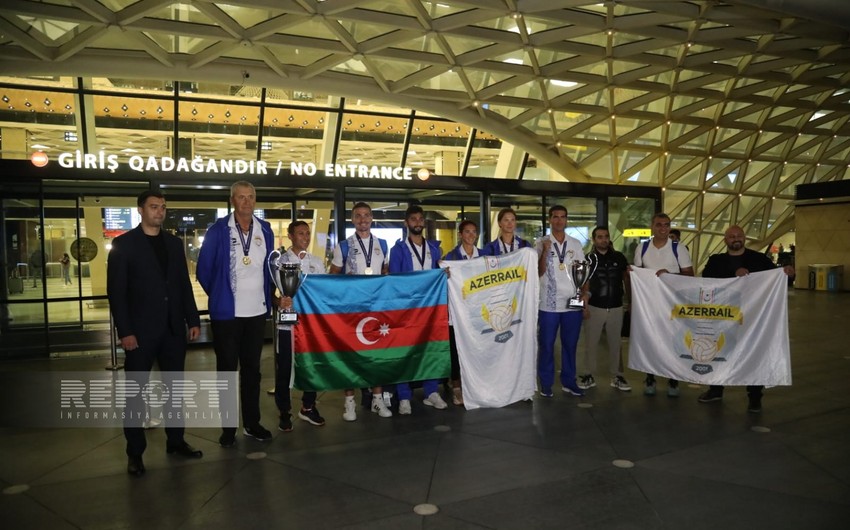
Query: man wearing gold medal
point(232, 271)
point(556, 253)
point(362, 253)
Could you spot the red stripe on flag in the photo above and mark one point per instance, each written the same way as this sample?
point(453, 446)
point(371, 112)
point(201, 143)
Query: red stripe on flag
point(338, 332)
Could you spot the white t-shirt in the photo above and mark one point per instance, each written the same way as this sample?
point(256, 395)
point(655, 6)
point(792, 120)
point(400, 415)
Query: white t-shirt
point(249, 298)
point(663, 258)
point(556, 284)
point(310, 264)
point(356, 262)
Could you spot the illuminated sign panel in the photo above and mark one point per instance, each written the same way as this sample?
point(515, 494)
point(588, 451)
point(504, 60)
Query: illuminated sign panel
point(637, 232)
point(109, 162)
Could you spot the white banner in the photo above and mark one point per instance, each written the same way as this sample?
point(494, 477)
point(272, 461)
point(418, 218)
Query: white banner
point(493, 306)
point(711, 331)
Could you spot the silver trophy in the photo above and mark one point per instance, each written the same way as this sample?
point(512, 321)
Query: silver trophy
point(287, 279)
point(581, 272)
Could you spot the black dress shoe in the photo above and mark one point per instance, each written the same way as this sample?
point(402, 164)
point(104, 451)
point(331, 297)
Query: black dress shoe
point(135, 466)
point(227, 439)
point(184, 450)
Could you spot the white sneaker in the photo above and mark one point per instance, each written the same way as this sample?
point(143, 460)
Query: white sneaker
point(379, 408)
point(404, 407)
point(434, 400)
point(350, 413)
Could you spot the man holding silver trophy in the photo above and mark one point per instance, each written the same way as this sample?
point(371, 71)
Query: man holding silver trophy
point(286, 270)
point(562, 271)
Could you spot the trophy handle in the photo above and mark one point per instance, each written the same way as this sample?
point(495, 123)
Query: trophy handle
point(594, 261)
point(273, 264)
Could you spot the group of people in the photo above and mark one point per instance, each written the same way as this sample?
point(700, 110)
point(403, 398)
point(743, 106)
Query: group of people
point(664, 254)
point(151, 299)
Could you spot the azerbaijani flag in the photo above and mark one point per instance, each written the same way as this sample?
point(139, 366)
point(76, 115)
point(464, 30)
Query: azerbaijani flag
point(360, 331)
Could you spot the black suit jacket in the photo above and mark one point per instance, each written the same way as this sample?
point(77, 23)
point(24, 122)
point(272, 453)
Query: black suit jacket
point(143, 301)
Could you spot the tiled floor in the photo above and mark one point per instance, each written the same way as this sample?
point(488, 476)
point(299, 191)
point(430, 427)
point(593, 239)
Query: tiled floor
point(546, 464)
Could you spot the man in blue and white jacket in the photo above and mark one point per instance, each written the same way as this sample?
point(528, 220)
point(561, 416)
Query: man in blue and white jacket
point(415, 253)
point(232, 270)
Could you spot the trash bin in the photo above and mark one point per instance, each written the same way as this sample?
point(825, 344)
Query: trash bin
point(826, 277)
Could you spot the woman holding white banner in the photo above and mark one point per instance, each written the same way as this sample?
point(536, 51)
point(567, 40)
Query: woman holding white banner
point(467, 231)
point(507, 240)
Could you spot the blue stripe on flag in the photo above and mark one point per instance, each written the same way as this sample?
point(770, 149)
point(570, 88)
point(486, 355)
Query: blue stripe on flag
point(348, 293)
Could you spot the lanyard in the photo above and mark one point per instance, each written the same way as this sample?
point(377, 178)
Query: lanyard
point(561, 253)
point(366, 255)
point(505, 247)
point(246, 241)
point(420, 259)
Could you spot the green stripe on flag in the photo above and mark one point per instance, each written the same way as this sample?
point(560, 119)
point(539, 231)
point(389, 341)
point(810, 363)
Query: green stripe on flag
point(339, 370)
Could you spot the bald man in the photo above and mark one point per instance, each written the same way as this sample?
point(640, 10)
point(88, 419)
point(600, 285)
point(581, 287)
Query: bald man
point(737, 261)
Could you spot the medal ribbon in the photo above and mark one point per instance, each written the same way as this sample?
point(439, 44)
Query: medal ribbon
point(246, 241)
point(561, 253)
point(367, 255)
point(420, 259)
point(505, 247)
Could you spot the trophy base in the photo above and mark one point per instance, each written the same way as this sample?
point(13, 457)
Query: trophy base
point(287, 318)
point(575, 304)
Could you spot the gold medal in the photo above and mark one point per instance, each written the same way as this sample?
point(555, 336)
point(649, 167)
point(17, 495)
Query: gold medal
point(368, 270)
point(562, 267)
point(246, 260)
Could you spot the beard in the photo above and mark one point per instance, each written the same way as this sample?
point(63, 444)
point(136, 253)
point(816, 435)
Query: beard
point(736, 245)
point(415, 230)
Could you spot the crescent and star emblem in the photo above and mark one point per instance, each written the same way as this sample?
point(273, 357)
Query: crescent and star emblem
point(384, 330)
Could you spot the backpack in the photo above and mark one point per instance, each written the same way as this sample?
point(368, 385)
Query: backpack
point(343, 248)
point(646, 246)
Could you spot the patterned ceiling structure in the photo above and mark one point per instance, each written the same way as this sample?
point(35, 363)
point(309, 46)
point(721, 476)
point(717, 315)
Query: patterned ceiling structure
point(724, 105)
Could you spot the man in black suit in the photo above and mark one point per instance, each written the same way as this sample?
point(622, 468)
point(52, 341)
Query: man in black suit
point(152, 302)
